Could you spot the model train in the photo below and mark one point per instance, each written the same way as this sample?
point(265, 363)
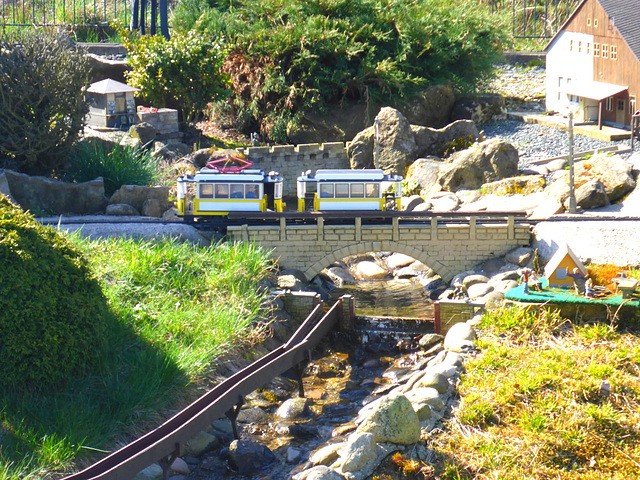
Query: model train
point(231, 185)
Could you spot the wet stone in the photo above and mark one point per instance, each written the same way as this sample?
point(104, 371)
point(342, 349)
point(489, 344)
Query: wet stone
point(293, 408)
point(249, 457)
point(252, 415)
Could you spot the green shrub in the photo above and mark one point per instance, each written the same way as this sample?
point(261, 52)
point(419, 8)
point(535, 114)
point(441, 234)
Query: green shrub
point(288, 57)
point(42, 107)
point(118, 165)
point(53, 315)
point(184, 69)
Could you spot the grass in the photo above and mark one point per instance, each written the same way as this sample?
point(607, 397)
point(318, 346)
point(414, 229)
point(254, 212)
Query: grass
point(178, 307)
point(118, 165)
point(546, 398)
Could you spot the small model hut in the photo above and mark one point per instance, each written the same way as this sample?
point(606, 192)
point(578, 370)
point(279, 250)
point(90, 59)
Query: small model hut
point(562, 263)
point(111, 104)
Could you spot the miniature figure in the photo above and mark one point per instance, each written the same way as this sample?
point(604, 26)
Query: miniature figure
point(579, 280)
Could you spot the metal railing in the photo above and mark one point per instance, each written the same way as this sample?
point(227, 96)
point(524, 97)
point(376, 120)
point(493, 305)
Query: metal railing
point(163, 444)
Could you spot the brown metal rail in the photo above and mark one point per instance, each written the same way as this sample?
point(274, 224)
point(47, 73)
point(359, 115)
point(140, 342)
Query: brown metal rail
point(389, 214)
point(163, 444)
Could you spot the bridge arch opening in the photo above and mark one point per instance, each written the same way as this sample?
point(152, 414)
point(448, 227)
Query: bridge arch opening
point(364, 247)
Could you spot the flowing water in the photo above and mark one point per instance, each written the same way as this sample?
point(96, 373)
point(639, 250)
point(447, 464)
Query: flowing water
point(387, 298)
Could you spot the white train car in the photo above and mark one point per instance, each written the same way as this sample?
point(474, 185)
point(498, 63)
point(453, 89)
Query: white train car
point(216, 192)
point(348, 190)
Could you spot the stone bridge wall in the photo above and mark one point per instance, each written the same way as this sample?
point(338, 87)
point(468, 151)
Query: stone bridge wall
point(446, 248)
point(292, 160)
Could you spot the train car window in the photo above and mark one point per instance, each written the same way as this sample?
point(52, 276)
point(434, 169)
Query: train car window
point(326, 190)
point(373, 190)
point(252, 191)
point(342, 190)
point(278, 191)
point(357, 190)
point(206, 190)
point(237, 191)
point(222, 190)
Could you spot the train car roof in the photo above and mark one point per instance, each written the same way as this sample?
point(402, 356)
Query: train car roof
point(253, 175)
point(347, 175)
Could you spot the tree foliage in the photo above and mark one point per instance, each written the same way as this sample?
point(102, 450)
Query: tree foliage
point(184, 69)
point(291, 56)
point(42, 107)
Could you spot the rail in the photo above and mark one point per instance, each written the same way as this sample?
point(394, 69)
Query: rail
point(164, 443)
point(378, 215)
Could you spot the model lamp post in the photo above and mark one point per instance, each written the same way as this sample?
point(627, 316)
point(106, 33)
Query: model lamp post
point(111, 104)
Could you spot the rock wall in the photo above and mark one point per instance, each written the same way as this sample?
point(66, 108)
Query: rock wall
point(292, 160)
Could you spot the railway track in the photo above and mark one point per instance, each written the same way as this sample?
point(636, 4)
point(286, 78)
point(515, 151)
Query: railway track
point(163, 444)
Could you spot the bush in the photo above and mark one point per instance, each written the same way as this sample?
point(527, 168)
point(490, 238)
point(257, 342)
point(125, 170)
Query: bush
point(186, 69)
point(53, 315)
point(42, 107)
point(118, 165)
point(288, 57)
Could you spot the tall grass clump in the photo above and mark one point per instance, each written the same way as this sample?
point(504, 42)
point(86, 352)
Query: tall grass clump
point(287, 58)
point(176, 308)
point(550, 399)
point(117, 165)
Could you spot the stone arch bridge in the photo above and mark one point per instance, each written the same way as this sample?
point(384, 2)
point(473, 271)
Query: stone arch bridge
point(448, 243)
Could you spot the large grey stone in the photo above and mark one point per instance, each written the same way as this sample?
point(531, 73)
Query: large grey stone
point(360, 149)
point(433, 379)
point(432, 107)
point(471, 280)
point(359, 450)
point(326, 455)
point(481, 163)
point(396, 145)
point(393, 420)
point(293, 408)
point(121, 209)
point(481, 109)
point(42, 195)
point(590, 195)
point(340, 276)
point(410, 204)
point(370, 270)
point(4, 187)
point(137, 195)
point(432, 141)
point(424, 174)
point(519, 256)
point(479, 290)
point(457, 332)
point(320, 472)
point(426, 395)
point(249, 457)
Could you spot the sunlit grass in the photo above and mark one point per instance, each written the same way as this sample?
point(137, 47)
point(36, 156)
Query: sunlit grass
point(547, 399)
point(177, 307)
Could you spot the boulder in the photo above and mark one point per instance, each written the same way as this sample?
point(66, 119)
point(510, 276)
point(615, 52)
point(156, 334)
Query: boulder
point(137, 195)
point(394, 420)
point(503, 286)
point(479, 290)
point(425, 395)
point(43, 195)
point(590, 195)
point(152, 207)
point(432, 107)
point(144, 132)
point(397, 260)
point(152, 472)
point(326, 455)
point(170, 151)
point(370, 270)
point(293, 408)
point(424, 174)
point(202, 442)
point(4, 187)
point(519, 256)
point(200, 157)
point(410, 204)
point(359, 450)
point(396, 144)
point(473, 279)
point(360, 149)
point(433, 379)
point(437, 141)
point(481, 163)
point(121, 209)
point(525, 185)
point(249, 457)
point(493, 300)
point(320, 472)
point(444, 202)
point(555, 165)
point(480, 109)
point(340, 276)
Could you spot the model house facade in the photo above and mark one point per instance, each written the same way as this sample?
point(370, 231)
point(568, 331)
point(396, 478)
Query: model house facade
point(593, 63)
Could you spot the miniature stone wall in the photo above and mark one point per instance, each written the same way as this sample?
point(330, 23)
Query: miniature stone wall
point(164, 120)
point(291, 160)
point(450, 312)
point(300, 304)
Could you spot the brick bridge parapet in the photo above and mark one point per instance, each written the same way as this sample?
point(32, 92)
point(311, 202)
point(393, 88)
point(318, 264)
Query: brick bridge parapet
point(447, 246)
